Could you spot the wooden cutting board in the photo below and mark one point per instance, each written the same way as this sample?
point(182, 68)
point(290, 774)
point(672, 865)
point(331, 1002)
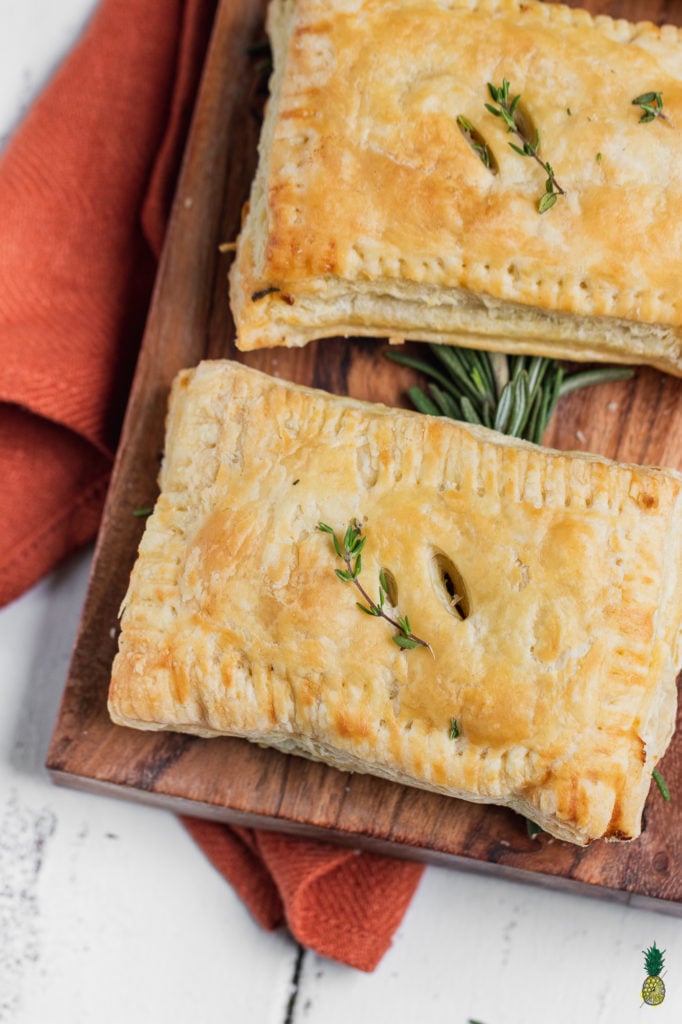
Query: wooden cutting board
point(232, 780)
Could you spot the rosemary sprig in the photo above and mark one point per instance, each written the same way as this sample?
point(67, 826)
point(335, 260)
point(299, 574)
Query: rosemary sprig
point(513, 394)
point(652, 105)
point(505, 108)
point(350, 551)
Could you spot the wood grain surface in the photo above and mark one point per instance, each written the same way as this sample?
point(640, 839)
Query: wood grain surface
point(232, 780)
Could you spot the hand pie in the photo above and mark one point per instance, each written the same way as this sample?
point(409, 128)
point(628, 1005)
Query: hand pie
point(548, 586)
point(388, 200)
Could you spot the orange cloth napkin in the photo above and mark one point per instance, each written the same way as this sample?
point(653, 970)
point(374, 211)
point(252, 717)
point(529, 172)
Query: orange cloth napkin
point(85, 189)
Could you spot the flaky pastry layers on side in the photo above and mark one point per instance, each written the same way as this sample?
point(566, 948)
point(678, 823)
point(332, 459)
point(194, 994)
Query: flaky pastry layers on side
point(371, 213)
point(558, 663)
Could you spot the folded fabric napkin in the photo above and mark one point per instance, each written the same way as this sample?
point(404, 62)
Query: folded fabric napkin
point(86, 185)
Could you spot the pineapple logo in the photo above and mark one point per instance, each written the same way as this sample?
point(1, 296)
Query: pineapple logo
point(653, 989)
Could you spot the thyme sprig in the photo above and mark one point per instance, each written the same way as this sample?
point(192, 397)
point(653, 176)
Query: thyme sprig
point(350, 551)
point(652, 105)
point(505, 107)
point(513, 394)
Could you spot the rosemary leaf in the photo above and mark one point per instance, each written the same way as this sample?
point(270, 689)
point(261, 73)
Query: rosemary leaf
point(484, 361)
point(446, 404)
point(452, 358)
point(417, 364)
point(531, 431)
point(519, 410)
point(428, 369)
point(504, 408)
point(587, 378)
point(555, 394)
point(536, 371)
point(500, 368)
point(422, 402)
point(470, 414)
point(543, 415)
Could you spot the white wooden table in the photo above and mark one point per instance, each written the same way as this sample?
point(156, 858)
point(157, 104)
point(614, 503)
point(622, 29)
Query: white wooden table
point(110, 914)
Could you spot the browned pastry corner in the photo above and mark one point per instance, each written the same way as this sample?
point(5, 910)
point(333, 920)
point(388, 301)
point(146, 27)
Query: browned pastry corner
point(373, 212)
point(557, 661)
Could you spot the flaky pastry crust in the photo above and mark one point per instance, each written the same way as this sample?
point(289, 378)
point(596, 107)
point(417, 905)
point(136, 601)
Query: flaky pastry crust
point(371, 214)
point(558, 662)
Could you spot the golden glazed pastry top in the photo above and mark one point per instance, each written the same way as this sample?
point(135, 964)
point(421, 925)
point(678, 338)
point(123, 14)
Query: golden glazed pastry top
point(561, 672)
point(366, 178)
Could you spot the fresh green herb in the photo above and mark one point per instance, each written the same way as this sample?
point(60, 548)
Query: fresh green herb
point(475, 141)
point(350, 551)
point(505, 107)
point(142, 513)
point(455, 731)
point(661, 783)
point(533, 829)
point(652, 105)
point(513, 394)
point(598, 158)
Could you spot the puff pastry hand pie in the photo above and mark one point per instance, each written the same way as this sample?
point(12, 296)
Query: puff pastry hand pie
point(557, 659)
point(376, 210)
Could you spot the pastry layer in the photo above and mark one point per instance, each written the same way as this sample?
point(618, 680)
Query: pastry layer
point(558, 658)
point(371, 214)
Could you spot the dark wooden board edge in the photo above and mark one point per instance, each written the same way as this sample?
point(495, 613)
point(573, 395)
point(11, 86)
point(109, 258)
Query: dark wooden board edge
point(246, 819)
point(186, 324)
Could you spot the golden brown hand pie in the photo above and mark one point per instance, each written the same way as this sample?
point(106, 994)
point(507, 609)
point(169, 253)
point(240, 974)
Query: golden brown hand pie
point(372, 214)
point(557, 660)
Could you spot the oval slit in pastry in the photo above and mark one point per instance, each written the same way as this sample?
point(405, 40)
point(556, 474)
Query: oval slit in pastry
point(450, 585)
point(477, 144)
